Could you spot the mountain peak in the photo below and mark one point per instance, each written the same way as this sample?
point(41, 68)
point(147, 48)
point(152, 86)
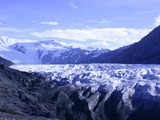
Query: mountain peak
point(147, 50)
point(7, 41)
point(49, 52)
point(153, 37)
point(49, 43)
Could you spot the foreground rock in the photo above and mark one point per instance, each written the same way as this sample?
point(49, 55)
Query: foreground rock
point(16, 100)
point(80, 92)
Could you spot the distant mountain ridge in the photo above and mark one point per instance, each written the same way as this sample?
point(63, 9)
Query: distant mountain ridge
point(49, 52)
point(146, 51)
point(5, 62)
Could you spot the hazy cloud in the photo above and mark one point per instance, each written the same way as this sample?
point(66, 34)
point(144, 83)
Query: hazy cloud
point(102, 21)
point(16, 30)
point(77, 45)
point(49, 23)
point(157, 20)
point(73, 5)
point(9, 29)
point(100, 43)
point(6, 41)
point(1, 24)
point(121, 36)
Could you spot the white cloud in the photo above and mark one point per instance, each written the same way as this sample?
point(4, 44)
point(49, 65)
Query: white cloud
point(73, 5)
point(50, 23)
point(1, 24)
point(157, 20)
point(121, 36)
point(77, 24)
point(102, 21)
point(77, 45)
point(16, 30)
point(100, 43)
point(6, 41)
point(9, 29)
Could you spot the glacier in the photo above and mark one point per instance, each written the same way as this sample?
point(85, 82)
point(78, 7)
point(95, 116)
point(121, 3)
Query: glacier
point(92, 75)
point(107, 91)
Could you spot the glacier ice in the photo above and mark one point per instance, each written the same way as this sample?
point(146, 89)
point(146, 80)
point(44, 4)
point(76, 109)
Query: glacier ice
point(113, 76)
point(106, 91)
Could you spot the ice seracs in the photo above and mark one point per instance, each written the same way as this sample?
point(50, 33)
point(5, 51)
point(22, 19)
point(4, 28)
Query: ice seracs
point(94, 75)
point(106, 91)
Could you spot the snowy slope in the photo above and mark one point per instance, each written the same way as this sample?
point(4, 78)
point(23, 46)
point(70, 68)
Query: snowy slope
point(44, 52)
point(6, 41)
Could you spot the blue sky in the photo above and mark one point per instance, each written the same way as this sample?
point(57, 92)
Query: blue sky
point(97, 23)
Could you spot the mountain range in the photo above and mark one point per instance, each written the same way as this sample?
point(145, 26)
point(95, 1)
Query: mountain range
point(145, 51)
point(48, 52)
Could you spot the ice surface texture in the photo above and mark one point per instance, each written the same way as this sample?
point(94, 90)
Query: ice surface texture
point(106, 91)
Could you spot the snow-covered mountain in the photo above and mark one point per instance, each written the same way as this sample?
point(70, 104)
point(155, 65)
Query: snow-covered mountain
point(46, 52)
point(7, 41)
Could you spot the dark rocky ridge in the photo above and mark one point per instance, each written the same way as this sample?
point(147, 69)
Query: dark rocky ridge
point(5, 62)
point(15, 98)
point(146, 51)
